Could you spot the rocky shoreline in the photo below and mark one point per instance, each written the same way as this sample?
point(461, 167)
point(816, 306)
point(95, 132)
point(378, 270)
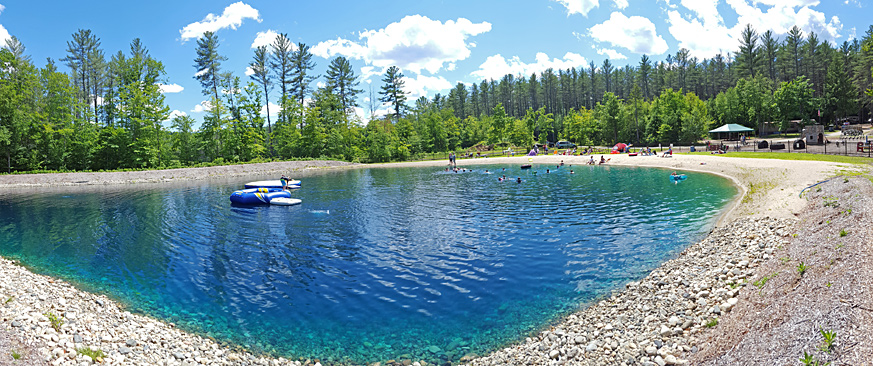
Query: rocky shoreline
point(658, 320)
point(655, 321)
point(662, 319)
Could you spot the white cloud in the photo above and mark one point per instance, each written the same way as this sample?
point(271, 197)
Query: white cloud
point(249, 71)
point(413, 44)
point(202, 107)
point(176, 113)
point(265, 38)
point(201, 72)
point(232, 17)
point(636, 33)
point(495, 67)
point(422, 85)
point(171, 88)
point(4, 35)
point(579, 6)
point(621, 4)
point(274, 110)
point(611, 54)
point(339, 46)
point(705, 34)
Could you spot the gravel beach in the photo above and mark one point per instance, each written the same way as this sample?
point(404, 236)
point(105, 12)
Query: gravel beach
point(669, 317)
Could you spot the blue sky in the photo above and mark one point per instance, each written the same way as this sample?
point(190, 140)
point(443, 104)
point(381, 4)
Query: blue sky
point(435, 43)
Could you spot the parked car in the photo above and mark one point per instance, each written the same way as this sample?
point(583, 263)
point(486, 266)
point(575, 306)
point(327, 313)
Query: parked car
point(565, 145)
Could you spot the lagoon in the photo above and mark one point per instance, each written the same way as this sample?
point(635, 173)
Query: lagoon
point(376, 264)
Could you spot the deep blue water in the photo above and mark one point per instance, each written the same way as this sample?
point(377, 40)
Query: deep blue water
point(376, 264)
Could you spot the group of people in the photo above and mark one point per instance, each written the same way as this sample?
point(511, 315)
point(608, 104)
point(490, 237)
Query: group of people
point(602, 160)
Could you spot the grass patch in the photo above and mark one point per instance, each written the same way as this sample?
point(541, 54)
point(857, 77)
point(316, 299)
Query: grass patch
point(829, 338)
point(843, 233)
point(801, 268)
point(10, 299)
point(16, 355)
point(810, 360)
point(799, 156)
point(712, 322)
point(763, 281)
point(88, 352)
point(55, 320)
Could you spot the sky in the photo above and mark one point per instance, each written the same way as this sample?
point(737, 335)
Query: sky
point(436, 44)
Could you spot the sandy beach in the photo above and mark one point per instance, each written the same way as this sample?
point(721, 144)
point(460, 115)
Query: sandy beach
point(767, 211)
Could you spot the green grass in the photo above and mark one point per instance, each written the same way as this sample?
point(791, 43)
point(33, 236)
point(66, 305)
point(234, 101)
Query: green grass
point(829, 338)
point(88, 352)
point(10, 299)
point(712, 322)
point(55, 320)
point(16, 355)
point(795, 156)
point(843, 233)
point(801, 268)
point(763, 281)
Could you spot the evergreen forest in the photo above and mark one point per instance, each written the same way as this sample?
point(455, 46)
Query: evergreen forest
point(90, 110)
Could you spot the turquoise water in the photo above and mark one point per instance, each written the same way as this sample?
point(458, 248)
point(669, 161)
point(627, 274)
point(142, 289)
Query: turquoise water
point(376, 264)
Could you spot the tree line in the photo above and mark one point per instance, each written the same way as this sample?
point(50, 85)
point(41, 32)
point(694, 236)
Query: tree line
point(109, 114)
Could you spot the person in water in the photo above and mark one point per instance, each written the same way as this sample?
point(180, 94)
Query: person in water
point(571, 171)
point(518, 180)
point(591, 161)
point(284, 181)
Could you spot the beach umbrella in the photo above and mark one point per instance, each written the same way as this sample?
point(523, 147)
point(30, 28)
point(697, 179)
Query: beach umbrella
point(619, 146)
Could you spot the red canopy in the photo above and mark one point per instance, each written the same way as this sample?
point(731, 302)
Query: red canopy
point(619, 146)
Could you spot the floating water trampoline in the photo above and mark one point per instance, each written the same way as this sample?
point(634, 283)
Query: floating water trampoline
point(272, 184)
point(258, 196)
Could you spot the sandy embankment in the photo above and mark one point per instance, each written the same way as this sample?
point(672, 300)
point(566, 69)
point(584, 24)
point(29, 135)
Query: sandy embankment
point(771, 188)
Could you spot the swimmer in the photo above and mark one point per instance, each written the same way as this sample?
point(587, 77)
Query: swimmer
point(547, 171)
point(562, 162)
point(519, 180)
point(571, 171)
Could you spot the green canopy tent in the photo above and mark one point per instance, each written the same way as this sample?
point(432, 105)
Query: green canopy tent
point(731, 128)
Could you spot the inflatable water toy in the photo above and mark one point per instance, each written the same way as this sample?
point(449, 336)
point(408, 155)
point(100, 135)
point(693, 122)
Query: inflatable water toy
point(271, 183)
point(678, 178)
point(283, 201)
point(526, 166)
point(257, 196)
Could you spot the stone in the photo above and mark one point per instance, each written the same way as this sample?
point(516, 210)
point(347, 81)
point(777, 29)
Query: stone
point(665, 332)
point(591, 346)
point(716, 310)
point(16, 324)
point(651, 350)
point(77, 339)
point(123, 350)
point(670, 360)
point(433, 349)
point(579, 340)
point(673, 321)
point(554, 354)
point(131, 343)
point(660, 361)
point(178, 355)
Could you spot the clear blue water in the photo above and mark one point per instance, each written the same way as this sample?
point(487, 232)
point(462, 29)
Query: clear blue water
point(376, 264)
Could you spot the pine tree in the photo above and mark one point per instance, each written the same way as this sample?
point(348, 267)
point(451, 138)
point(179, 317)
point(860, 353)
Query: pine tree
point(392, 91)
point(769, 48)
point(645, 70)
point(280, 61)
point(748, 55)
point(82, 58)
point(301, 66)
point(261, 75)
point(208, 65)
point(342, 81)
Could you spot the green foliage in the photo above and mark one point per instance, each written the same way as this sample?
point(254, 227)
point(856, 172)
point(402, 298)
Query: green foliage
point(761, 282)
point(95, 355)
point(712, 322)
point(829, 338)
point(843, 233)
point(55, 321)
point(810, 360)
point(801, 268)
point(10, 299)
point(15, 355)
